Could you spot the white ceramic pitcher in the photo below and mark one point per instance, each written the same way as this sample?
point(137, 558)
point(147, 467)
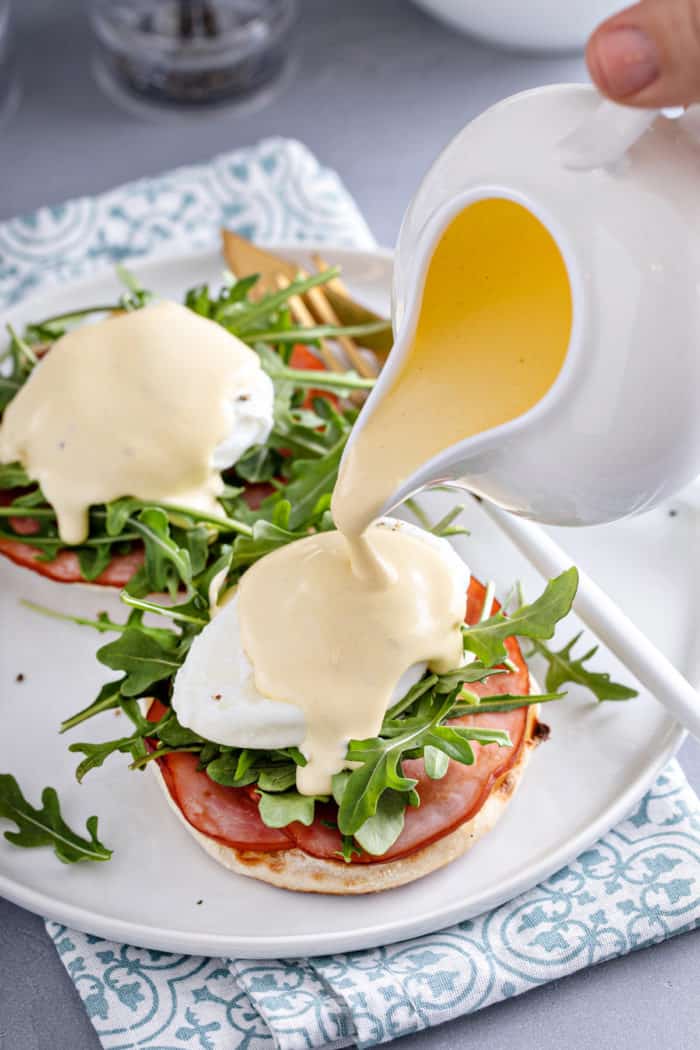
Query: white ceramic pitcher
point(620, 428)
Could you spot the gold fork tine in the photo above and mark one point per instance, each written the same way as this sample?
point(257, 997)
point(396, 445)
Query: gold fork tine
point(303, 316)
point(336, 284)
point(327, 315)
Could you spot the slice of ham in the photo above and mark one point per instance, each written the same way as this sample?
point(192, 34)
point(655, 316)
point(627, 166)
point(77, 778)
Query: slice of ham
point(444, 804)
point(65, 567)
point(225, 813)
point(229, 815)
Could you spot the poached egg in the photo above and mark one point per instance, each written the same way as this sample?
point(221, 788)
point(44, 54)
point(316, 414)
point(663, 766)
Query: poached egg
point(151, 404)
point(215, 692)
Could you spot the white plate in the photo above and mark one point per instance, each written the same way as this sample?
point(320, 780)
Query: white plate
point(597, 764)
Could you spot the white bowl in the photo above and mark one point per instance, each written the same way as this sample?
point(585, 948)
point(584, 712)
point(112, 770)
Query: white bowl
point(540, 25)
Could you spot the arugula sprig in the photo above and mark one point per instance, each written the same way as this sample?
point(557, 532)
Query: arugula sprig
point(445, 526)
point(45, 826)
point(536, 620)
point(563, 668)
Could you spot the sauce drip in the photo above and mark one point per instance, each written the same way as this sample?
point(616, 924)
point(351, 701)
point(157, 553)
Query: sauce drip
point(319, 637)
point(130, 406)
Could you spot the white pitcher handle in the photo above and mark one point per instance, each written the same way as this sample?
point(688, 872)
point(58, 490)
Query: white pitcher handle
point(605, 136)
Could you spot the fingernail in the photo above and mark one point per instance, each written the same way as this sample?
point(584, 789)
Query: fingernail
point(627, 61)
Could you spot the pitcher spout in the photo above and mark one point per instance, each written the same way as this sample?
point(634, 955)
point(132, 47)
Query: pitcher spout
point(484, 345)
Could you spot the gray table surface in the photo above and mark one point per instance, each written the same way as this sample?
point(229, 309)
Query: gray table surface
point(379, 89)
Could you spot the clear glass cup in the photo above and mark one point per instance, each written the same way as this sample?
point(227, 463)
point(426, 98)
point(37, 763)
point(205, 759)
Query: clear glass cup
point(9, 87)
point(190, 53)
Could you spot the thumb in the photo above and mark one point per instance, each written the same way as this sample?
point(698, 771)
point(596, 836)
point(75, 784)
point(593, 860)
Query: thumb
point(649, 55)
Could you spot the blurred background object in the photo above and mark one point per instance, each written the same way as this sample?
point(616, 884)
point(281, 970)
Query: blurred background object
point(541, 25)
point(374, 89)
point(190, 53)
point(9, 86)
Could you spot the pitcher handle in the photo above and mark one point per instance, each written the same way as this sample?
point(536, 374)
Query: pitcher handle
point(605, 136)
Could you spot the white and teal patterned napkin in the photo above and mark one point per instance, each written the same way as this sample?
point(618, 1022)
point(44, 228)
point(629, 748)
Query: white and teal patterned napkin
point(638, 885)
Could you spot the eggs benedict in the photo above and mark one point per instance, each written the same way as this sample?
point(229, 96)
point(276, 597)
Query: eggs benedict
point(412, 807)
point(152, 404)
point(135, 437)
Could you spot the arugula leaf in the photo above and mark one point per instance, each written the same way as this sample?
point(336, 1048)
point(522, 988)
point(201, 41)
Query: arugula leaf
point(13, 476)
point(33, 498)
point(145, 659)
point(312, 479)
point(234, 292)
point(536, 620)
point(467, 675)
point(279, 809)
point(474, 705)
point(380, 770)
point(22, 347)
point(313, 333)
point(46, 826)
point(101, 623)
point(260, 463)
point(136, 296)
point(348, 849)
point(234, 769)
point(311, 379)
point(107, 700)
point(167, 564)
point(380, 831)
point(8, 388)
point(435, 762)
point(266, 538)
point(195, 611)
point(96, 754)
point(261, 311)
point(118, 513)
point(564, 668)
point(443, 527)
point(454, 743)
point(93, 560)
point(173, 734)
point(277, 778)
point(194, 539)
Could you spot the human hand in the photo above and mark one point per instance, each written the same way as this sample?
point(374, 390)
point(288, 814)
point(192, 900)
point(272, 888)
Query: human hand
point(649, 55)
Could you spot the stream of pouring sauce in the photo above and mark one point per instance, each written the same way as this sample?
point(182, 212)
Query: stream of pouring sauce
point(362, 605)
point(117, 409)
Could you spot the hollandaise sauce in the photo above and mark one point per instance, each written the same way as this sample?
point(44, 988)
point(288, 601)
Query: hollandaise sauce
point(491, 338)
point(133, 405)
point(321, 638)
